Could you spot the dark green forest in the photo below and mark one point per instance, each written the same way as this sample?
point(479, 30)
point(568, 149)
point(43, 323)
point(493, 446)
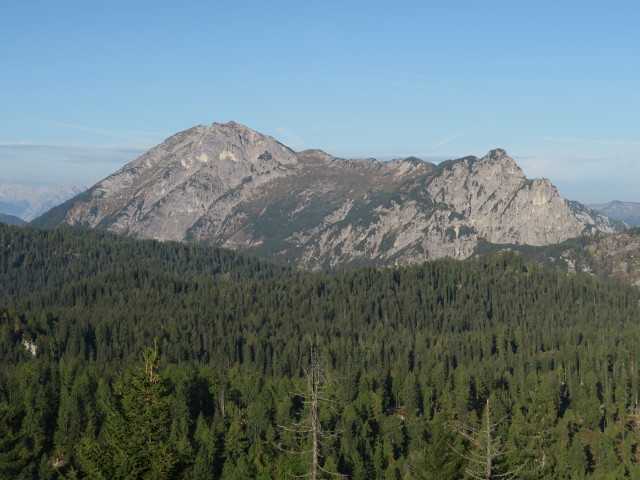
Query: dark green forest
point(140, 359)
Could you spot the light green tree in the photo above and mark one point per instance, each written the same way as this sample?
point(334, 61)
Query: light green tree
point(135, 440)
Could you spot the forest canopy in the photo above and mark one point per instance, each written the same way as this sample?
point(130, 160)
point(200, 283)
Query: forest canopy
point(422, 364)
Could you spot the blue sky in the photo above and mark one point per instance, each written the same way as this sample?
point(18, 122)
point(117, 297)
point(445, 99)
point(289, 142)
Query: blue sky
point(87, 87)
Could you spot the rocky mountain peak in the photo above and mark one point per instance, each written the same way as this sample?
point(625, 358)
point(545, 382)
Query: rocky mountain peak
point(498, 154)
point(501, 162)
point(238, 132)
point(231, 186)
point(239, 143)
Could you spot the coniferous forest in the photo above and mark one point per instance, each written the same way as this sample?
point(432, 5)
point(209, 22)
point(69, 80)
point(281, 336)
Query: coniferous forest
point(137, 359)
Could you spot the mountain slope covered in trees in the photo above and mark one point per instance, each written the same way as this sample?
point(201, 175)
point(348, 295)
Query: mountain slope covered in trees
point(413, 357)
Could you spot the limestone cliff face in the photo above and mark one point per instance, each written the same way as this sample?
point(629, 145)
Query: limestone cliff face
point(497, 200)
point(228, 185)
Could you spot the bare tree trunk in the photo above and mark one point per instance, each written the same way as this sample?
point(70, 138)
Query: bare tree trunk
point(489, 454)
point(484, 451)
point(311, 428)
point(314, 383)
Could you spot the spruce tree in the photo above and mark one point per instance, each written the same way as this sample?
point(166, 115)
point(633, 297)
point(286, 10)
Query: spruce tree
point(135, 439)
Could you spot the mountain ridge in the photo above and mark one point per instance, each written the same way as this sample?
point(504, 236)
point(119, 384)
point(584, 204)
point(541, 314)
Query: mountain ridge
point(29, 202)
point(626, 211)
point(230, 186)
point(11, 220)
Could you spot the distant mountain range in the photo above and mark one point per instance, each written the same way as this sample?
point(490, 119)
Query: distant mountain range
point(230, 186)
point(11, 220)
point(626, 211)
point(27, 202)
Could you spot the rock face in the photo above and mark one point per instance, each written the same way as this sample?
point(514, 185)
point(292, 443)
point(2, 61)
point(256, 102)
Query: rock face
point(230, 186)
point(616, 256)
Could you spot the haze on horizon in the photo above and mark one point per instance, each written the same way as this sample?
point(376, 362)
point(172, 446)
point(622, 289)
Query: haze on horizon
point(91, 87)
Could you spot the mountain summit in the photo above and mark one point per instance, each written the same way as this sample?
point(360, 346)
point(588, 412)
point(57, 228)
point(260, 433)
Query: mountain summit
point(228, 185)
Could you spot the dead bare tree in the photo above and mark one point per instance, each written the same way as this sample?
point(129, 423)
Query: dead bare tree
point(485, 449)
point(310, 428)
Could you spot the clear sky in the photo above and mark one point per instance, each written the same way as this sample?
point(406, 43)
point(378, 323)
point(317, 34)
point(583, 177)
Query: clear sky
point(86, 87)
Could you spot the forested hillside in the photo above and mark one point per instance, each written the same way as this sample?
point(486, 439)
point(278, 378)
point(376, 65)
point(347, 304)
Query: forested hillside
point(36, 260)
point(130, 359)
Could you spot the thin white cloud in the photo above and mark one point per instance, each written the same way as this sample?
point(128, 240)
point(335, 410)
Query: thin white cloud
point(91, 129)
point(111, 133)
point(583, 178)
point(568, 159)
point(45, 163)
point(591, 141)
point(448, 139)
point(293, 140)
point(456, 135)
point(149, 134)
point(79, 146)
point(127, 133)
